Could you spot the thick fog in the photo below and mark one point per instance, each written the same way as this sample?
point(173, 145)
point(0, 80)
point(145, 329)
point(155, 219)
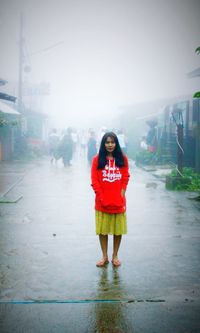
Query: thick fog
point(99, 55)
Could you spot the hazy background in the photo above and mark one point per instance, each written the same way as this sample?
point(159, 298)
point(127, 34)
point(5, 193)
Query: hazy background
point(100, 54)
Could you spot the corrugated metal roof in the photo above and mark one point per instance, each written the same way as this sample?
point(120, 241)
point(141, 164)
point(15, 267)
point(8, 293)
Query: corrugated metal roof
point(194, 73)
point(2, 82)
point(5, 108)
point(7, 97)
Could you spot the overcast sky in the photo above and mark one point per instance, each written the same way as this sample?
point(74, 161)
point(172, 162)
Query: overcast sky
point(106, 53)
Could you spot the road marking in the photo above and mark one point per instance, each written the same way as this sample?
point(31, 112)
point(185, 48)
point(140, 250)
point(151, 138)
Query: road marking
point(54, 301)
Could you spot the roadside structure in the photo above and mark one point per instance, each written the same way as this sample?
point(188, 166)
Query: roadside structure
point(9, 118)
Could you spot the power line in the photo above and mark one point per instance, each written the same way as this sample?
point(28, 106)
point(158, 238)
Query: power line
point(46, 49)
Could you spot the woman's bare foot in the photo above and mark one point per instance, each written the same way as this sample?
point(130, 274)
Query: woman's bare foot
point(102, 262)
point(116, 262)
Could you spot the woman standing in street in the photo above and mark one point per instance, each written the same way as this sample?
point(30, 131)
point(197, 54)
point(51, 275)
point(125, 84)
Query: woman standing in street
point(110, 176)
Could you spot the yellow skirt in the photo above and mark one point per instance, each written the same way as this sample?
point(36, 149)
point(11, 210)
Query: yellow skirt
point(110, 224)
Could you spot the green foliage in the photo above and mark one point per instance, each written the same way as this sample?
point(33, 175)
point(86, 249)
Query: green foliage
point(189, 182)
point(197, 50)
point(196, 94)
point(144, 157)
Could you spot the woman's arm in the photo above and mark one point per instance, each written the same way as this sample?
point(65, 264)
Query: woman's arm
point(125, 175)
point(94, 177)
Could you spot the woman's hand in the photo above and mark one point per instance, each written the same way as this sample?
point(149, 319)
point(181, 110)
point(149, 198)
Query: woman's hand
point(122, 192)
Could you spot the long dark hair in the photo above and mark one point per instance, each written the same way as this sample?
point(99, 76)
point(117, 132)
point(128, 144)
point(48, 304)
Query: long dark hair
point(117, 153)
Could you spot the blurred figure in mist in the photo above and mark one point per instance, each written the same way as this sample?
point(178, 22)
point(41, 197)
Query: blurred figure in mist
point(91, 146)
point(54, 140)
point(151, 138)
point(66, 147)
point(102, 131)
point(122, 140)
point(74, 139)
point(143, 143)
point(83, 142)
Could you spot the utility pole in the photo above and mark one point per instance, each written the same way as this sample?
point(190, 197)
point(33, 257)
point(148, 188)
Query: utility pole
point(21, 60)
point(196, 120)
point(19, 145)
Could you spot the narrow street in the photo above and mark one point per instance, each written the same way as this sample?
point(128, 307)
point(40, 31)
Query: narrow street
point(48, 249)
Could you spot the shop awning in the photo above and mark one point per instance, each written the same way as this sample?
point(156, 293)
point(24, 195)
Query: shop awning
point(194, 73)
point(7, 97)
point(5, 108)
point(2, 82)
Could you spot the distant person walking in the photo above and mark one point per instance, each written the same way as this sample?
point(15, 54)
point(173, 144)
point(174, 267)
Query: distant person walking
point(83, 142)
point(74, 136)
point(110, 176)
point(122, 141)
point(53, 145)
point(91, 147)
point(102, 131)
point(67, 147)
point(143, 144)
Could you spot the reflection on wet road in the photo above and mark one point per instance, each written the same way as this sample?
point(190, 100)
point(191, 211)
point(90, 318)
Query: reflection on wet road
point(48, 246)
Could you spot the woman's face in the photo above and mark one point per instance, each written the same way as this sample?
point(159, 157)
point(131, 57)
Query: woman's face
point(110, 144)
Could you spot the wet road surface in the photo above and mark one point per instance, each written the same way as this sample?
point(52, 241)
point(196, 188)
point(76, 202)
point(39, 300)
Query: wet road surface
point(48, 251)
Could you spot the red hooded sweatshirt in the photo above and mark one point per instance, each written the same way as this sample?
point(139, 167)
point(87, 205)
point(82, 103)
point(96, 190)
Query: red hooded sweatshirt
point(107, 184)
